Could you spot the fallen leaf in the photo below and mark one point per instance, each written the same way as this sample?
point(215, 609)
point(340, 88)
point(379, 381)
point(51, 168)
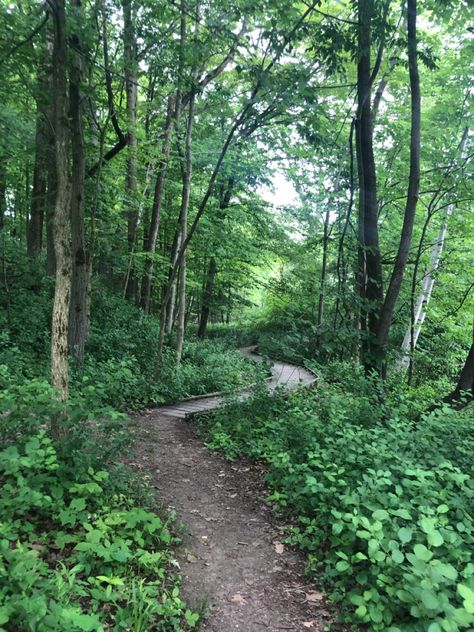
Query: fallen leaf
point(237, 598)
point(308, 624)
point(192, 559)
point(279, 548)
point(314, 596)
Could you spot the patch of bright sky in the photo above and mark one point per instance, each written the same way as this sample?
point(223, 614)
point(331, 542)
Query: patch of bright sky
point(281, 192)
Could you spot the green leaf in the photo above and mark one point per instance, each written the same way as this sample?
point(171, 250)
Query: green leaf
point(468, 596)
point(405, 535)
point(435, 538)
point(381, 514)
point(397, 556)
point(78, 504)
point(114, 581)
point(422, 553)
point(429, 599)
point(191, 618)
point(5, 612)
point(401, 513)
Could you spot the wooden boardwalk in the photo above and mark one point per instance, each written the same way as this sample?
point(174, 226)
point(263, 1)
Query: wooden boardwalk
point(284, 374)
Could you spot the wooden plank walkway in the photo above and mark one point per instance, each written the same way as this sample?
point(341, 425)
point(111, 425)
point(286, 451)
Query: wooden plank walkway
point(284, 374)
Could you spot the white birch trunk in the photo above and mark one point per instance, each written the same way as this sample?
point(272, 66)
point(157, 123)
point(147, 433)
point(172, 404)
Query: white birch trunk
point(427, 283)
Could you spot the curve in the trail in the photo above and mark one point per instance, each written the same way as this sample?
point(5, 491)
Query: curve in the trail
point(284, 374)
point(234, 565)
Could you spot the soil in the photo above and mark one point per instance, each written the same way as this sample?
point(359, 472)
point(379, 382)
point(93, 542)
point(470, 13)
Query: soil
point(235, 569)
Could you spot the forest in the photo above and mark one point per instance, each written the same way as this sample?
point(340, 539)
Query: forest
point(236, 315)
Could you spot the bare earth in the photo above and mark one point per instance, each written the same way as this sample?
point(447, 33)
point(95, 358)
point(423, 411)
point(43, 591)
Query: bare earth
point(232, 560)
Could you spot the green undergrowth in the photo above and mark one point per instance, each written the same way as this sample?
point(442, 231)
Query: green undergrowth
point(80, 545)
point(119, 368)
point(382, 505)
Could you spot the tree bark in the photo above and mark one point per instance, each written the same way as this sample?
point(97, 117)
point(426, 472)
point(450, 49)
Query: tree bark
point(185, 199)
point(78, 324)
point(465, 382)
point(370, 265)
point(170, 308)
point(418, 315)
point(3, 191)
point(50, 204)
point(59, 334)
point(156, 208)
point(340, 265)
point(413, 189)
point(38, 197)
point(207, 297)
point(43, 149)
point(322, 279)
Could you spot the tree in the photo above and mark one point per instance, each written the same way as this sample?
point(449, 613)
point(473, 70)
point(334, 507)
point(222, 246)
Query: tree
point(62, 248)
point(393, 290)
point(78, 325)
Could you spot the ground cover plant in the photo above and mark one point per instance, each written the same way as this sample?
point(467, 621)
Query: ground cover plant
point(382, 504)
point(81, 545)
point(179, 179)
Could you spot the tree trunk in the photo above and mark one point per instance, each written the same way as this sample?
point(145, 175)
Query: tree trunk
point(341, 265)
point(322, 279)
point(130, 73)
point(187, 174)
point(207, 297)
point(419, 309)
point(370, 265)
point(50, 204)
point(44, 154)
point(413, 189)
point(59, 335)
point(3, 191)
point(38, 198)
point(466, 380)
point(170, 308)
point(79, 283)
point(156, 208)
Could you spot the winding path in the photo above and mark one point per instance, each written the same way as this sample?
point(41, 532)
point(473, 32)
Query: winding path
point(235, 568)
point(284, 374)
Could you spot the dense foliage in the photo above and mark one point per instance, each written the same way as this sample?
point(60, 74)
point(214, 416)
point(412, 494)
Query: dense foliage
point(382, 503)
point(81, 547)
point(179, 178)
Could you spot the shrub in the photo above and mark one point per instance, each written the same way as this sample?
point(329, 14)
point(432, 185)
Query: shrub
point(384, 508)
point(76, 552)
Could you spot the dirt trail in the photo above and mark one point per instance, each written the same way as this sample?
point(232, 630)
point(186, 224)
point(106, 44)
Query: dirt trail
point(232, 561)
